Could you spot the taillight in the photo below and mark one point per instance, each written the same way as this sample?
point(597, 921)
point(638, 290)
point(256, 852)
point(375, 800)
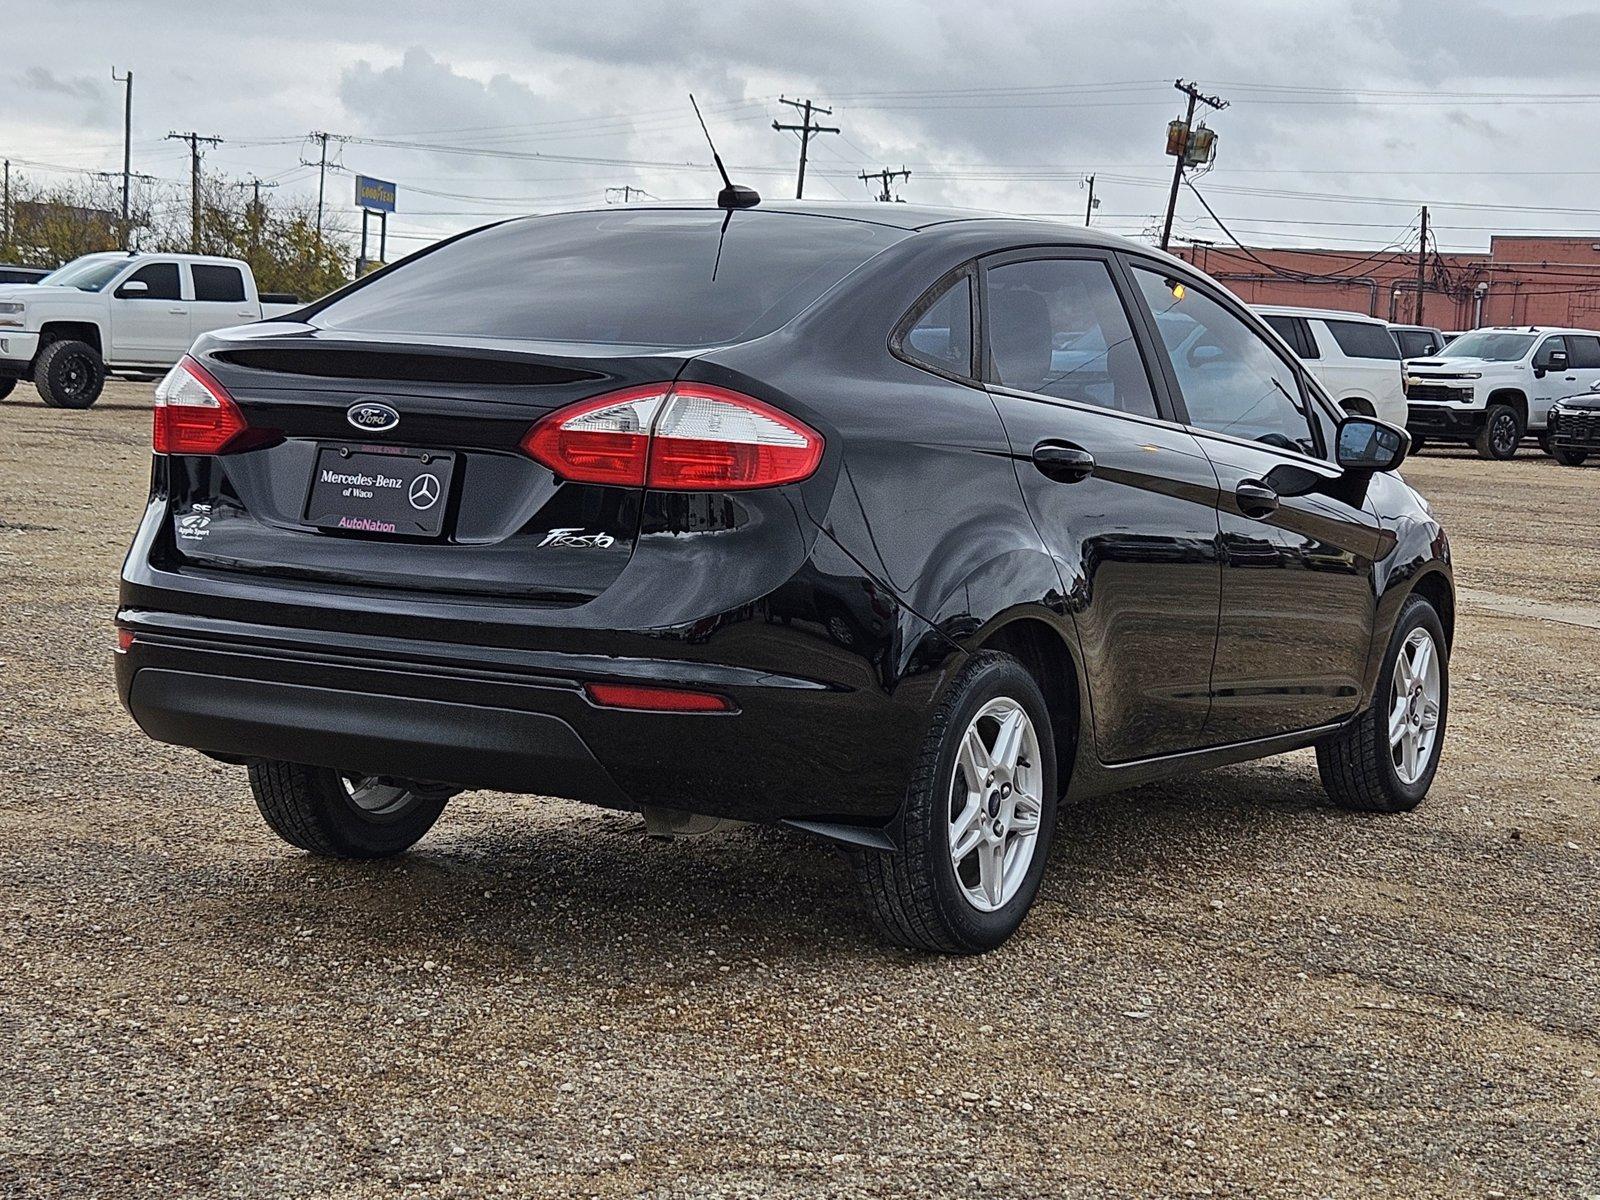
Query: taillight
point(195, 415)
point(685, 437)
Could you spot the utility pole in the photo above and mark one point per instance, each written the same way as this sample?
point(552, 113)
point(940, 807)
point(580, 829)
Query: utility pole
point(127, 145)
point(194, 140)
point(805, 129)
point(1195, 97)
point(5, 206)
point(885, 177)
point(322, 178)
point(256, 214)
point(1422, 264)
point(628, 192)
point(1088, 212)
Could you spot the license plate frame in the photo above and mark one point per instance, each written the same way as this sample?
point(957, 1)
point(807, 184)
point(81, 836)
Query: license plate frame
point(364, 489)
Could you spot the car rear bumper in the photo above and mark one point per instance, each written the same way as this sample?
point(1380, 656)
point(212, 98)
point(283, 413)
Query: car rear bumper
point(518, 720)
point(1439, 421)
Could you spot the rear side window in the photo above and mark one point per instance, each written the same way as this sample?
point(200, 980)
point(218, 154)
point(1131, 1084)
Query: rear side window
point(1056, 326)
point(1583, 351)
point(212, 282)
point(941, 337)
point(1359, 339)
point(160, 278)
point(639, 278)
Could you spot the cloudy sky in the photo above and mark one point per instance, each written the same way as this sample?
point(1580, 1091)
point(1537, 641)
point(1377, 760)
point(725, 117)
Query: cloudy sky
point(1345, 115)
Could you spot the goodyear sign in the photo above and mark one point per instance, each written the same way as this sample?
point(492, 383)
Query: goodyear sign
point(375, 194)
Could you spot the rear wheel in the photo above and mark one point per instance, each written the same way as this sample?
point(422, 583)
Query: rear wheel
point(1384, 760)
point(1501, 433)
point(1417, 443)
point(69, 374)
point(1569, 458)
point(339, 814)
point(979, 816)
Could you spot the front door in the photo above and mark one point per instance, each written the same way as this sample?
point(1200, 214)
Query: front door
point(150, 325)
point(1297, 595)
point(1550, 382)
point(1124, 498)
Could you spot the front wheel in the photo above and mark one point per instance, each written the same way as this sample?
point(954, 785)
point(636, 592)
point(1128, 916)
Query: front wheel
point(7, 386)
point(979, 815)
point(1417, 443)
point(69, 374)
point(1569, 458)
point(1385, 760)
point(1501, 433)
point(339, 814)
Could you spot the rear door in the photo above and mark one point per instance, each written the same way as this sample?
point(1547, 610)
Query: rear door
point(150, 326)
point(220, 298)
point(1123, 497)
point(1583, 360)
point(1297, 595)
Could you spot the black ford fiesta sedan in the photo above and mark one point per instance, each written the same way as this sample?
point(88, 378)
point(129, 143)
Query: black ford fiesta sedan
point(894, 525)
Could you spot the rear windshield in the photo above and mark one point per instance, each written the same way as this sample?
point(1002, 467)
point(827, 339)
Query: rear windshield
point(652, 278)
point(1358, 339)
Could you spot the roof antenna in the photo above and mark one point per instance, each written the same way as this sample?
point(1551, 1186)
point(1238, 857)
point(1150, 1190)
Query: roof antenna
point(733, 195)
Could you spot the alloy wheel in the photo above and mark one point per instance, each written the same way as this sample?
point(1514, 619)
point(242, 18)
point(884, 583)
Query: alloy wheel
point(995, 805)
point(1504, 433)
point(1414, 708)
point(374, 795)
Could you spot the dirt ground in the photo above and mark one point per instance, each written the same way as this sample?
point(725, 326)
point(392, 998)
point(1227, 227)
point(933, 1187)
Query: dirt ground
point(1228, 988)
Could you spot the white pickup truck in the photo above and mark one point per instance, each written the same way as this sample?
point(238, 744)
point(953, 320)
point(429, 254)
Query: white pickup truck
point(1492, 386)
point(122, 314)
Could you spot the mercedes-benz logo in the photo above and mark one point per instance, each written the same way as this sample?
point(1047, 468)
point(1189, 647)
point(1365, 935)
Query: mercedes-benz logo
point(424, 493)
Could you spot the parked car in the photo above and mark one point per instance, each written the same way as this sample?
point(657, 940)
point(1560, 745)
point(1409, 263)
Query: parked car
point(10, 273)
point(1493, 386)
point(117, 313)
point(1572, 427)
point(1418, 341)
point(815, 515)
point(1353, 357)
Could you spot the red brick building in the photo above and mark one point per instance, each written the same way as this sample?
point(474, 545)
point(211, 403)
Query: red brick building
point(1521, 281)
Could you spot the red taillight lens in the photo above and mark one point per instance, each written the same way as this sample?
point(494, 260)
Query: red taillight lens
point(195, 415)
point(685, 437)
point(124, 640)
point(655, 699)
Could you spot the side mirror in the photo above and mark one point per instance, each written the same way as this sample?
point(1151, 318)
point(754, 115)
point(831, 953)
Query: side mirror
point(133, 288)
point(1557, 361)
point(1364, 444)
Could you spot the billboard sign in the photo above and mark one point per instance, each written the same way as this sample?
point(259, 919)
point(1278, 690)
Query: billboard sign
point(376, 195)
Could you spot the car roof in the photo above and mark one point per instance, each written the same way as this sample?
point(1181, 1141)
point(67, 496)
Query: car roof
point(910, 217)
point(1329, 314)
point(1534, 329)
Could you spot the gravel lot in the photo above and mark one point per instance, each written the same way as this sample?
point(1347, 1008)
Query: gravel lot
point(1228, 988)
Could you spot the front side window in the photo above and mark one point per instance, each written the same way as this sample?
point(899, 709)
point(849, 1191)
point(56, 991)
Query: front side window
point(1056, 327)
point(160, 278)
point(1232, 380)
point(942, 336)
point(217, 283)
point(1554, 345)
point(1364, 339)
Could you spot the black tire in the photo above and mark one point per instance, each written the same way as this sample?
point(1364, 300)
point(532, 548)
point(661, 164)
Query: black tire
point(312, 808)
point(69, 374)
point(1417, 443)
point(1357, 763)
point(1569, 458)
point(7, 386)
point(1501, 433)
point(915, 896)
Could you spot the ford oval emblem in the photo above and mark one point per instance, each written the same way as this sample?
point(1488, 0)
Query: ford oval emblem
point(371, 417)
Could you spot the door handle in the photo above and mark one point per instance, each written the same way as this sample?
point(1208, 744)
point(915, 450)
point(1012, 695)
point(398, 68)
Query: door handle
point(1063, 462)
point(177, 311)
point(1256, 499)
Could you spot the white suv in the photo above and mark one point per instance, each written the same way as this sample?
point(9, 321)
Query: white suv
point(1492, 386)
point(1353, 356)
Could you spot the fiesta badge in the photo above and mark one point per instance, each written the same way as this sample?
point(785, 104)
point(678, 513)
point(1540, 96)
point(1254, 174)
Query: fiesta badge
point(371, 417)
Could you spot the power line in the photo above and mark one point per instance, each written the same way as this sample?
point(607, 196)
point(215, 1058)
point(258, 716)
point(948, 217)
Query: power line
point(884, 177)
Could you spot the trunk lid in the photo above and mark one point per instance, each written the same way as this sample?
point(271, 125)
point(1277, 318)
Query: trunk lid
point(339, 494)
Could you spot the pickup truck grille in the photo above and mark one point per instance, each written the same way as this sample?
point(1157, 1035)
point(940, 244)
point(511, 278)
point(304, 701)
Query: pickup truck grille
point(1438, 393)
